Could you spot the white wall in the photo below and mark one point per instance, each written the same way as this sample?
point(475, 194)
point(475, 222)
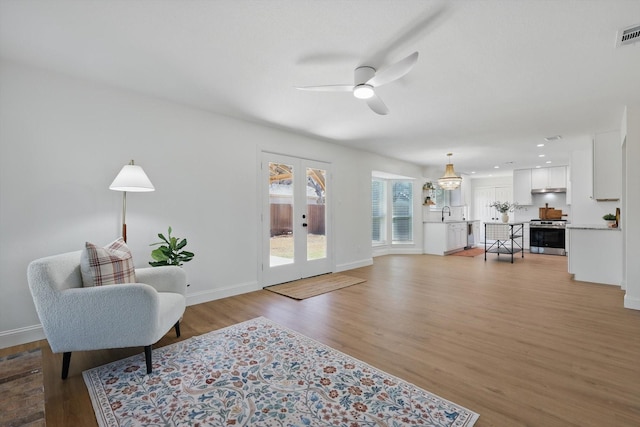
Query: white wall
point(62, 141)
point(631, 226)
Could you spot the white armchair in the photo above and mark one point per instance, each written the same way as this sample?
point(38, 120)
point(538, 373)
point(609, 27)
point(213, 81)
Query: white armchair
point(112, 316)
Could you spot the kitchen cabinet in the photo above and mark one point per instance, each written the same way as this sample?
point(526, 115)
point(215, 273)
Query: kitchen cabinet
point(607, 166)
point(554, 177)
point(476, 233)
point(522, 186)
point(456, 236)
point(441, 238)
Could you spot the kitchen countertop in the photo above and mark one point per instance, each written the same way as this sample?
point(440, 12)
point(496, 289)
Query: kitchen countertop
point(448, 221)
point(591, 227)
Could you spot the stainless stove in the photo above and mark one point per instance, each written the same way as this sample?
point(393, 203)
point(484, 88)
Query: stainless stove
point(547, 236)
point(548, 223)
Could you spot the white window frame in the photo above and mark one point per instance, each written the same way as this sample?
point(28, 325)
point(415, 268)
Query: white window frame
point(388, 241)
point(382, 241)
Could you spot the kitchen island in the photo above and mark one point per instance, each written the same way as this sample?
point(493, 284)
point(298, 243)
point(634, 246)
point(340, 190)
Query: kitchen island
point(505, 238)
point(595, 253)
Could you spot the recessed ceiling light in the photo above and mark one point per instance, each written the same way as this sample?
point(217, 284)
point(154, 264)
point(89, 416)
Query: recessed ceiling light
point(473, 172)
point(548, 161)
point(540, 155)
point(540, 145)
point(496, 167)
point(537, 167)
point(553, 138)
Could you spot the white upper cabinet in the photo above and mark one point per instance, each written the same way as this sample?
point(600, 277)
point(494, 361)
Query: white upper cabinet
point(607, 166)
point(522, 186)
point(555, 177)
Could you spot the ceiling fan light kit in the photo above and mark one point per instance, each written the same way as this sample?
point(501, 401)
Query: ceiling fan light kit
point(366, 79)
point(363, 91)
point(449, 181)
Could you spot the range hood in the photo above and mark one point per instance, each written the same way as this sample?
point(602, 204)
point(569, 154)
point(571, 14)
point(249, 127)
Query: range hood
point(548, 190)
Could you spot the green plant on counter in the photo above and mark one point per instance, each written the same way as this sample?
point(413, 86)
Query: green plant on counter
point(169, 252)
point(505, 207)
point(609, 217)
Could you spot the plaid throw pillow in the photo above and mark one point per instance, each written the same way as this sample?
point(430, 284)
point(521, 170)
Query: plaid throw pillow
point(106, 266)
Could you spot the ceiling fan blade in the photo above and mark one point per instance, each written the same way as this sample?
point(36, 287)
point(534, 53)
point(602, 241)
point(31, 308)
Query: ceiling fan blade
point(395, 71)
point(377, 105)
point(327, 88)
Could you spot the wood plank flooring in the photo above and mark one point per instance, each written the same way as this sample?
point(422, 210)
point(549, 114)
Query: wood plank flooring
point(522, 344)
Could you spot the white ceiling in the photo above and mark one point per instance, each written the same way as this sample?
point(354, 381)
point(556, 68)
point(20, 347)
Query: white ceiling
point(492, 80)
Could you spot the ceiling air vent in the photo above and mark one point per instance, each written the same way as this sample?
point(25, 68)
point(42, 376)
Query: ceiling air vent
point(628, 35)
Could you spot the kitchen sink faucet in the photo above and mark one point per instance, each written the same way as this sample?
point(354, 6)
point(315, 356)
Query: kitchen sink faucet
point(449, 209)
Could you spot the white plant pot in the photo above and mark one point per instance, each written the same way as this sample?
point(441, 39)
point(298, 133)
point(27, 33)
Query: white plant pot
point(505, 217)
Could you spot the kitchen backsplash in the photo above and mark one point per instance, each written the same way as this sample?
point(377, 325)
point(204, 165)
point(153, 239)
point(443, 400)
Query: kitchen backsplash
point(555, 200)
point(457, 213)
point(527, 213)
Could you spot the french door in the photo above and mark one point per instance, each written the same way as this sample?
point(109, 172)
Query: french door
point(296, 231)
point(483, 197)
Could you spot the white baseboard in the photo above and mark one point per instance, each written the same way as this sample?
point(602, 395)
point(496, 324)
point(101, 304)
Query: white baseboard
point(406, 251)
point(385, 250)
point(32, 333)
point(355, 264)
point(214, 294)
point(21, 336)
point(632, 303)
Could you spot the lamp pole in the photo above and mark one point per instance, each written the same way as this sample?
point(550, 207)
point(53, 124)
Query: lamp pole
point(130, 178)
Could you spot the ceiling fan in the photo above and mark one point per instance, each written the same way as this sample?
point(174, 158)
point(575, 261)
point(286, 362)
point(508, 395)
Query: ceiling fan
point(366, 79)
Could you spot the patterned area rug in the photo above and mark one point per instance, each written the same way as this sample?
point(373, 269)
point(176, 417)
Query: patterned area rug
point(258, 373)
point(469, 252)
point(313, 286)
point(22, 390)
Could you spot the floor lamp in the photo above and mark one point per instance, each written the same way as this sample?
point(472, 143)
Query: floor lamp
point(133, 179)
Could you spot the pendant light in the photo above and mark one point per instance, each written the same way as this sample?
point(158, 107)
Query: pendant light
point(449, 181)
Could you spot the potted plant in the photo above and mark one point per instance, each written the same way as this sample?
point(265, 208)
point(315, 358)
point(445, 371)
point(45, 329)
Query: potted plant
point(170, 251)
point(504, 208)
point(611, 220)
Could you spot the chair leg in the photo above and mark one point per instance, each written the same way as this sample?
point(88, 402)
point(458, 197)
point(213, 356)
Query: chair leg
point(147, 356)
point(66, 361)
point(177, 326)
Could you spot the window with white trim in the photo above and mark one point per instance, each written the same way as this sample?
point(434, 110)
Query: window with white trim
point(391, 211)
point(402, 212)
point(378, 212)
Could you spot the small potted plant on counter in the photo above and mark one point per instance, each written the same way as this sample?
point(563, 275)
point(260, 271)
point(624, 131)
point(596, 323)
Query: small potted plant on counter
point(611, 220)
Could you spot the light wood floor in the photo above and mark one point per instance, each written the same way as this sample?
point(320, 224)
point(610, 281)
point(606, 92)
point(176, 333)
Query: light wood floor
point(522, 344)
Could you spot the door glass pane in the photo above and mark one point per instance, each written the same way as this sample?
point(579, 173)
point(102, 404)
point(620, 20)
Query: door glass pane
point(316, 214)
point(281, 245)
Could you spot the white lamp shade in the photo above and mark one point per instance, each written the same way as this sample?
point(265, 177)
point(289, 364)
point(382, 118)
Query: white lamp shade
point(132, 178)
